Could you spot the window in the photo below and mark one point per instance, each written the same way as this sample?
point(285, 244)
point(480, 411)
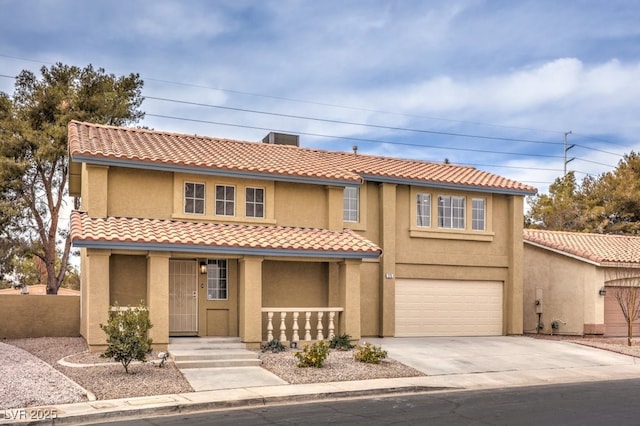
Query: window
point(254, 202)
point(194, 198)
point(423, 214)
point(478, 214)
point(450, 212)
point(225, 200)
point(351, 204)
point(216, 279)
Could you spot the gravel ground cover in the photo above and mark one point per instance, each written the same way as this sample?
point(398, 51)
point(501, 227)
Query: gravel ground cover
point(339, 366)
point(30, 374)
point(106, 381)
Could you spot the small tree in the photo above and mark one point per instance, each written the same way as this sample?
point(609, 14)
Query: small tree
point(629, 301)
point(126, 332)
point(628, 297)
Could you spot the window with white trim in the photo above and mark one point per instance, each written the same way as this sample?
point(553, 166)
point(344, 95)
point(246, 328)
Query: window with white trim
point(194, 197)
point(423, 212)
point(225, 200)
point(478, 214)
point(254, 202)
point(351, 195)
point(217, 279)
point(451, 212)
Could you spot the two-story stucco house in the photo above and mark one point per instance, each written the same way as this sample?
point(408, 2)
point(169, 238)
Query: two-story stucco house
point(264, 240)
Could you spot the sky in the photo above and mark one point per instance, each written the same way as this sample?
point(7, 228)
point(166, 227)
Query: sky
point(494, 84)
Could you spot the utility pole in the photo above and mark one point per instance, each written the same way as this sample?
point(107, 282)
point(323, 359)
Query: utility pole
point(567, 148)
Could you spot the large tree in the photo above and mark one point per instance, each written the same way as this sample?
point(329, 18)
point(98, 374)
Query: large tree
point(609, 203)
point(33, 152)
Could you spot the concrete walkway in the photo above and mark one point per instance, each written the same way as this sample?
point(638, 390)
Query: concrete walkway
point(452, 364)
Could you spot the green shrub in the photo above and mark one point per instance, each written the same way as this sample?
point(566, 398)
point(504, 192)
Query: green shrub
point(126, 332)
point(274, 346)
point(369, 353)
point(313, 355)
point(341, 343)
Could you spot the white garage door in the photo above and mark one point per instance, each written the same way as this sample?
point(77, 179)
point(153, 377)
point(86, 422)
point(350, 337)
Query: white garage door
point(448, 308)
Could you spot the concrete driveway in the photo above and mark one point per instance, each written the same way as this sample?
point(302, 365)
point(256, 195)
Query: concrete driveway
point(465, 355)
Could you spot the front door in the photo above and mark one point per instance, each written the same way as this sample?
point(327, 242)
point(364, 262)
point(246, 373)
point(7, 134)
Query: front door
point(183, 297)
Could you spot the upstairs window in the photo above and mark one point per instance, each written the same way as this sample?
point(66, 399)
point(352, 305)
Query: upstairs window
point(217, 279)
point(225, 200)
point(451, 211)
point(351, 195)
point(254, 202)
point(194, 198)
point(423, 213)
point(478, 214)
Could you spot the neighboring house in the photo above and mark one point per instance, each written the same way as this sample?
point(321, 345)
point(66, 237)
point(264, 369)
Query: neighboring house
point(39, 289)
point(573, 277)
point(269, 240)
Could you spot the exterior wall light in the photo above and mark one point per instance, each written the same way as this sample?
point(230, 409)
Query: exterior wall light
point(602, 292)
point(203, 267)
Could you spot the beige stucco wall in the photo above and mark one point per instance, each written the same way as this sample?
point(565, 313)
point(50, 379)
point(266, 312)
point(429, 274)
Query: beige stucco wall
point(432, 253)
point(370, 298)
point(301, 205)
point(128, 282)
point(568, 290)
point(148, 194)
point(34, 315)
point(294, 284)
point(387, 217)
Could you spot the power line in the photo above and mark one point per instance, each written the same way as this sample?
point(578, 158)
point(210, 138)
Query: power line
point(350, 138)
point(245, 93)
point(333, 121)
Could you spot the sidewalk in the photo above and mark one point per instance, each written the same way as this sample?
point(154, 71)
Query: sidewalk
point(120, 409)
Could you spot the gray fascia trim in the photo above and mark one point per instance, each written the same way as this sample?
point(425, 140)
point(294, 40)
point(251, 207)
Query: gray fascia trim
point(210, 171)
point(564, 253)
point(440, 185)
point(106, 245)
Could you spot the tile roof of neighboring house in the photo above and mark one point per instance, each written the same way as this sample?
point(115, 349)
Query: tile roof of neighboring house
point(598, 248)
point(181, 152)
point(40, 289)
point(169, 235)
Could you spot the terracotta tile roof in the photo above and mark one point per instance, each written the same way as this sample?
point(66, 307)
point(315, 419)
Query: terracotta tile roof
point(599, 248)
point(216, 237)
point(161, 149)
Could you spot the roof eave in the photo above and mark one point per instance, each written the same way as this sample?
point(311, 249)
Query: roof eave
point(149, 165)
point(445, 185)
point(208, 249)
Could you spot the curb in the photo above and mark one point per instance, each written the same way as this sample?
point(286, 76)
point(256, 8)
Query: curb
point(125, 410)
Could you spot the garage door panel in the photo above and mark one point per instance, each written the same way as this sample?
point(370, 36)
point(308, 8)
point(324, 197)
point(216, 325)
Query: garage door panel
point(615, 324)
point(448, 308)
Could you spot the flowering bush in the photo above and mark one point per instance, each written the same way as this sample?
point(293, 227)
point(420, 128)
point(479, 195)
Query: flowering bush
point(313, 355)
point(369, 353)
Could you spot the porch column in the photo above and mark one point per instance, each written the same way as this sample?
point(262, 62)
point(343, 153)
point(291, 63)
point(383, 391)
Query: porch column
point(250, 296)
point(95, 307)
point(158, 298)
point(350, 298)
